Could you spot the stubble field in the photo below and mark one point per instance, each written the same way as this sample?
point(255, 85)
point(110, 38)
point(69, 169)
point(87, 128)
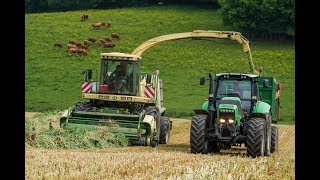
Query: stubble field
point(172, 161)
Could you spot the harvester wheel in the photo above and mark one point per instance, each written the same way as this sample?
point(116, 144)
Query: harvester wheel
point(84, 106)
point(256, 136)
point(198, 141)
point(154, 143)
point(164, 130)
point(274, 139)
point(155, 112)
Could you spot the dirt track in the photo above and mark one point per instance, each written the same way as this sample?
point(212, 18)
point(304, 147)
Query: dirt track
point(173, 161)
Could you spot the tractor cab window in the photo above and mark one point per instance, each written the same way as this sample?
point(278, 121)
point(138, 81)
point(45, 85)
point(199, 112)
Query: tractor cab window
point(118, 76)
point(236, 88)
point(228, 87)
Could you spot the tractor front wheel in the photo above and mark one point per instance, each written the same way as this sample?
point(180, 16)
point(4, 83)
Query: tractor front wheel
point(256, 137)
point(274, 139)
point(198, 141)
point(164, 130)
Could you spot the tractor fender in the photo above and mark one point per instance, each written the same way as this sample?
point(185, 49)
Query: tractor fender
point(200, 111)
point(203, 110)
point(261, 109)
point(205, 106)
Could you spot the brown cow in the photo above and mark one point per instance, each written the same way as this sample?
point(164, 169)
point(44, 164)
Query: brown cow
point(83, 46)
point(69, 46)
point(57, 45)
point(92, 40)
point(108, 39)
point(98, 25)
point(100, 43)
point(82, 52)
point(73, 50)
point(86, 42)
point(79, 44)
point(108, 23)
point(109, 45)
point(72, 42)
point(115, 36)
point(84, 17)
point(102, 40)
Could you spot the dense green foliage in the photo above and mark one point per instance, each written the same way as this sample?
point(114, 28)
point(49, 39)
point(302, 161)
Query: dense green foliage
point(271, 16)
point(53, 76)
point(32, 6)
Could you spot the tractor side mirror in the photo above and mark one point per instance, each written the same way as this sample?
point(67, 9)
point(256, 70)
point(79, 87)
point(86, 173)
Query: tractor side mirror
point(202, 80)
point(148, 80)
point(265, 83)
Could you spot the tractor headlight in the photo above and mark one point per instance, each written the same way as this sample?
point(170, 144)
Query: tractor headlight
point(222, 120)
point(227, 110)
point(231, 121)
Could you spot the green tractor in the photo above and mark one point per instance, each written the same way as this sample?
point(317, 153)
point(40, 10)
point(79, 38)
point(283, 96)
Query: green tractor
point(122, 100)
point(240, 109)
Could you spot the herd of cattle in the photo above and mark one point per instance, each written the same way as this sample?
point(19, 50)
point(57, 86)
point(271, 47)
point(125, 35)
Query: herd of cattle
point(81, 48)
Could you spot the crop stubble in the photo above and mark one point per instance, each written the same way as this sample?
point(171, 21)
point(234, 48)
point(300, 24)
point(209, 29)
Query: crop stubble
point(173, 161)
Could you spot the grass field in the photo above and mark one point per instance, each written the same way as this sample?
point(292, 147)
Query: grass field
point(53, 77)
point(170, 161)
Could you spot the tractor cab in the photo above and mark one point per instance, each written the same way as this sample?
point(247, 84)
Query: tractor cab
point(237, 89)
point(119, 74)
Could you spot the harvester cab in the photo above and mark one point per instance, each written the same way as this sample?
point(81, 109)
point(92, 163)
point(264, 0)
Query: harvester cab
point(122, 100)
point(239, 110)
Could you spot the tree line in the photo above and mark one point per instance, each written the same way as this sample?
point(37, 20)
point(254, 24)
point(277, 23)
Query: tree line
point(38, 6)
point(260, 19)
point(256, 19)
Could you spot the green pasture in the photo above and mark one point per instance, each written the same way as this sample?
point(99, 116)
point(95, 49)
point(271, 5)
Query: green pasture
point(53, 76)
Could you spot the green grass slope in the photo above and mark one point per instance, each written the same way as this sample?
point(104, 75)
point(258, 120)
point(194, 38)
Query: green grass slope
point(53, 76)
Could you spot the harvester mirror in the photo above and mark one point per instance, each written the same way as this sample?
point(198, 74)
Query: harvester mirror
point(89, 73)
point(148, 80)
point(265, 83)
point(202, 80)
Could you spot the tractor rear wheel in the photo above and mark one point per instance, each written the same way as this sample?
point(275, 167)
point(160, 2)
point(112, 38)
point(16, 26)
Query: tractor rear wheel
point(164, 130)
point(198, 141)
point(256, 137)
point(274, 139)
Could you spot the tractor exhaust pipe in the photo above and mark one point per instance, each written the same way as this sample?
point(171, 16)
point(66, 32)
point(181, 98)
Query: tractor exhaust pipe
point(211, 100)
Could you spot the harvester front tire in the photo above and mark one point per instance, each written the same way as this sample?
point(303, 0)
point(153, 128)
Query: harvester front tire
point(198, 141)
point(256, 136)
point(274, 139)
point(154, 143)
point(155, 112)
point(84, 106)
point(164, 130)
